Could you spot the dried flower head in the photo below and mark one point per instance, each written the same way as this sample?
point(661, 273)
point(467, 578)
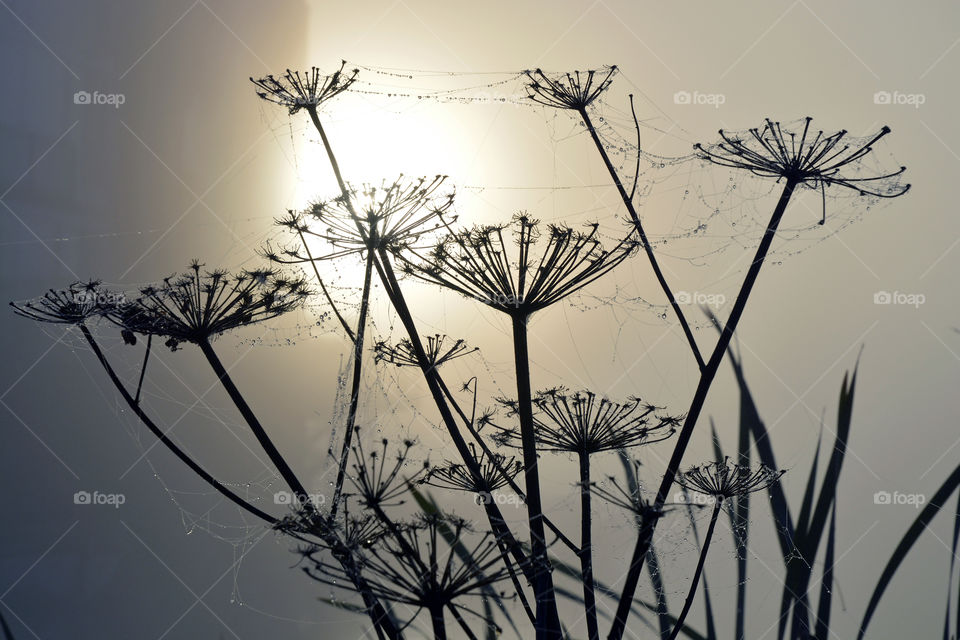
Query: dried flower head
point(496, 472)
point(725, 480)
point(377, 479)
point(437, 348)
point(815, 160)
point(390, 217)
point(574, 91)
point(585, 424)
point(196, 306)
point(629, 499)
point(307, 90)
point(74, 305)
point(477, 263)
point(435, 574)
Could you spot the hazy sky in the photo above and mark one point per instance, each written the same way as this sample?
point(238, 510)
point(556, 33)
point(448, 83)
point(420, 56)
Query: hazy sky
point(192, 164)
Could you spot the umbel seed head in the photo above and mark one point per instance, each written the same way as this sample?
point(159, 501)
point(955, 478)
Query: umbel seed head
point(725, 480)
point(306, 90)
point(575, 90)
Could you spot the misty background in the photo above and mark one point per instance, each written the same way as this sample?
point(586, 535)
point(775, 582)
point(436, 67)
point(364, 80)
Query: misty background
point(193, 164)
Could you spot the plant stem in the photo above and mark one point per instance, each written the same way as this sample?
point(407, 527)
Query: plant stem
point(548, 621)
point(143, 368)
point(167, 442)
point(628, 202)
point(586, 549)
point(439, 628)
point(392, 287)
point(696, 574)
point(275, 457)
point(355, 385)
point(706, 379)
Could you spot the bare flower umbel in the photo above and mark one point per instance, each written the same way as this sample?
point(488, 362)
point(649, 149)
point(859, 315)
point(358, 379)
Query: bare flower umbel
point(496, 471)
point(480, 264)
point(76, 304)
point(196, 306)
point(817, 160)
point(633, 501)
point(391, 217)
point(378, 480)
point(574, 91)
point(297, 90)
point(724, 480)
point(437, 348)
point(584, 423)
point(426, 570)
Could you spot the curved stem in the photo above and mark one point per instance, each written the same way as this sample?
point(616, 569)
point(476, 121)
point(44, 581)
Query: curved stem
point(586, 549)
point(696, 574)
point(700, 396)
point(628, 202)
point(548, 621)
point(355, 386)
point(167, 442)
point(275, 457)
point(323, 287)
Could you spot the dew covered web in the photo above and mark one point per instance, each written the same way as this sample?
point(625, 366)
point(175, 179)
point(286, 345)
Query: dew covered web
point(703, 221)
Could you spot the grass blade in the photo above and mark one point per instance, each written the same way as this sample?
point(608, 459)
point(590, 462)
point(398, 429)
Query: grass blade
point(906, 543)
point(826, 586)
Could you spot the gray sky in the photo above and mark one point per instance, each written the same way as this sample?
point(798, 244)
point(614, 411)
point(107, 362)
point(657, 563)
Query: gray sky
point(192, 164)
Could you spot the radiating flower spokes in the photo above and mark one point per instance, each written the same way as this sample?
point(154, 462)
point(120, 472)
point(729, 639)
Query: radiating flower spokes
point(723, 479)
point(576, 90)
point(197, 305)
point(437, 349)
point(377, 479)
point(584, 423)
point(480, 263)
point(76, 304)
point(496, 472)
point(297, 90)
point(816, 160)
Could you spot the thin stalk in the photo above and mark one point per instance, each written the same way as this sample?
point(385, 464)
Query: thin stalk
point(696, 574)
point(167, 442)
point(510, 481)
point(374, 609)
point(275, 457)
point(586, 549)
point(323, 287)
point(706, 379)
point(548, 621)
point(355, 385)
point(439, 628)
point(628, 202)
point(314, 117)
point(463, 623)
point(143, 368)
point(392, 287)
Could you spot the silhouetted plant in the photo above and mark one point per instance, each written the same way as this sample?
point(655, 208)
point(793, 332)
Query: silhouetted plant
point(437, 349)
